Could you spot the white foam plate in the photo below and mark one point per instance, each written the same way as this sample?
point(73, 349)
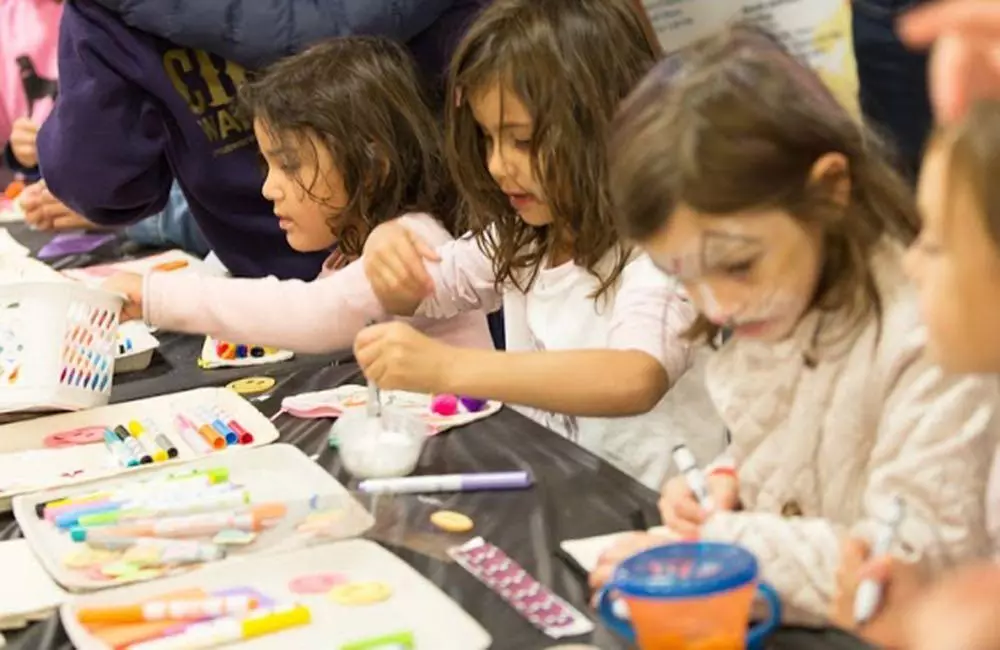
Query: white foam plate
point(95, 275)
point(209, 358)
point(35, 467)
point(417, 606)
point(274, 473)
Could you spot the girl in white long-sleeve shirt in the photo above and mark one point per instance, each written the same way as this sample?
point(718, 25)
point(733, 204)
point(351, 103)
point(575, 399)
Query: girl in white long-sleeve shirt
point(739, 173)
point(594, 332)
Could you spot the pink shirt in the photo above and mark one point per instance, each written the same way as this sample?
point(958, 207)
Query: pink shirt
point(310, 317)
point(28, 28)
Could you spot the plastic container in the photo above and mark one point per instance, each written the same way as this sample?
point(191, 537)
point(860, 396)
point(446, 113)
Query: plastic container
point(387, 446)
point(57, 346)
point(691, 595)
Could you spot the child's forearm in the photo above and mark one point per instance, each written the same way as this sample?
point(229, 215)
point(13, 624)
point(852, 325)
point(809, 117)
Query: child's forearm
point(589, 383)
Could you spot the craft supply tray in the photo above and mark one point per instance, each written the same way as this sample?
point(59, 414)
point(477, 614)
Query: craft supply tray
point(42, 469)
point(416, 605)
point(273, 473)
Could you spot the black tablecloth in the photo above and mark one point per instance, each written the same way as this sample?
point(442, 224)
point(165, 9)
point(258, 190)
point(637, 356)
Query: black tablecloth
point(575, 495)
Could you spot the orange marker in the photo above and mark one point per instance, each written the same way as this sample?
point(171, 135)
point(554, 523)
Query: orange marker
point(176, 610)
point(212, 436)
point(171, 266)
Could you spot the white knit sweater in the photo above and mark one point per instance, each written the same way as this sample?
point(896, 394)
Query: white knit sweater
point(820, 451)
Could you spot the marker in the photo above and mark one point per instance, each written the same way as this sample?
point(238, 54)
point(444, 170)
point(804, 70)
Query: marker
point(147, 441)
point(228, 630)
point(100, 511)
point(132, 445)
point(228, 501)
point(869, 593)
point(206, 431)
point(192, 479)
point(448, 483)
point(197, 525)
point(230, 436)
point(152, 551)
point(118, 449)
point(245, 436)
point(191, 436)
point(193, 609)
point(172, 265)
point(688, 466)
point(125, 346)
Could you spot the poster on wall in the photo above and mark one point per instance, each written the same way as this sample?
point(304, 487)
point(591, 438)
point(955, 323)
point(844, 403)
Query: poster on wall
point(818, 31)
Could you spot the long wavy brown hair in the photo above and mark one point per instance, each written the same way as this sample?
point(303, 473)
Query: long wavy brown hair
point(569, 62)
point(736, 123)
point(361, 98)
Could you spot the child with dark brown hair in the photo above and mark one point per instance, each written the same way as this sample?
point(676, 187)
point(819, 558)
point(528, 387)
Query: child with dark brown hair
point(350, 143)
point(739, 173)
point(955, 264)
point(593, 331)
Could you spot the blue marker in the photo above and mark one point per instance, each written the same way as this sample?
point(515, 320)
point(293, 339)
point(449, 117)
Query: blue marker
point(118, 449)
point(230, 436)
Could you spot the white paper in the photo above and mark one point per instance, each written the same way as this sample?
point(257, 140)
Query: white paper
point(95, 275)
point(31, 593)
point(818, 31)
point(588, 550)
point(10, 246)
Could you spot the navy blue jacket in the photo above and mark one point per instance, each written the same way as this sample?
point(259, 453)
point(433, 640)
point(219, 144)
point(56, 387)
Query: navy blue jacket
point(255, 33)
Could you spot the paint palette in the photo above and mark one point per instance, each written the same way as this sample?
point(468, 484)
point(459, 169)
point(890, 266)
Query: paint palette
point(413, 614)
point(276, 474)
point(89, 459)
point(224, 354)
point(331, 403)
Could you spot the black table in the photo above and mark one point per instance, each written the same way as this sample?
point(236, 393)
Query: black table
point(576, 495)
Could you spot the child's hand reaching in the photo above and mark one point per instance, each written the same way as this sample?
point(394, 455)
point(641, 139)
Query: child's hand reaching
point(394, 263)
point(901, 583)
point(130, 286)
point(23, 135)
point(43, 211)
point(680, 510)
point(396, 356)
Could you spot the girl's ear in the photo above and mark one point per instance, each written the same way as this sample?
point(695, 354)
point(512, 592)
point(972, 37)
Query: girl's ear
point(832, 170)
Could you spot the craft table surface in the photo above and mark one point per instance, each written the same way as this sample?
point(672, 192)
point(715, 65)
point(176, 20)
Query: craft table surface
point(576, 495)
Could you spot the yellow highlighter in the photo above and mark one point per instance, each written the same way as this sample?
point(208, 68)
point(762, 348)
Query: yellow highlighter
point(229, 630)
point(146, 440)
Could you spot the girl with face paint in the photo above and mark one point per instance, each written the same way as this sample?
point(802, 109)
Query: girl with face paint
point(738, 172)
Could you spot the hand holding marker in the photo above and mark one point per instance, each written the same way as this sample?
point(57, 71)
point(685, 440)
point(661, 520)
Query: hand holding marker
point(695, 478)
point(866, 600)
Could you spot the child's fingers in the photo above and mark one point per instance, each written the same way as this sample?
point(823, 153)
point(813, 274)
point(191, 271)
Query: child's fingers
point(682, 527)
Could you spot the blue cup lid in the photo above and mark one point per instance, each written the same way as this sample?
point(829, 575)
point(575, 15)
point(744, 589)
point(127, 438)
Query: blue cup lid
point(684, 570)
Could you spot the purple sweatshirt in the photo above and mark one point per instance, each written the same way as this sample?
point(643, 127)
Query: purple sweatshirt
point(136, 111)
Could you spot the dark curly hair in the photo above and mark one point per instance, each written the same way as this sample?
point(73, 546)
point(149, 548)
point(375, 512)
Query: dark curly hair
point(361, 97)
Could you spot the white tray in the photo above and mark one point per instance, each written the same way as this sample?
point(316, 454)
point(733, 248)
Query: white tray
point(273, 473)
point(416, 606)
point(143, 346)
point(95, 275)
point(51, 468)
point(210, 359)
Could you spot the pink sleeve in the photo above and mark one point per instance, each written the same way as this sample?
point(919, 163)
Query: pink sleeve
point(651, 314)
point(309, 317)
point(463, 279)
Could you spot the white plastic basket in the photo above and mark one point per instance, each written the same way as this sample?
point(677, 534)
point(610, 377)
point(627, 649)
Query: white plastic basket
point(57, 346)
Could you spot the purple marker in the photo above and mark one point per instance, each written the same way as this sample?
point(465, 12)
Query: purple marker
point(448, 483)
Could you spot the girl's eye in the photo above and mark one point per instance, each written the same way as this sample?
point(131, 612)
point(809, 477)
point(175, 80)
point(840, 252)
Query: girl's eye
point(288, 166)
point(524, 145)
point(739, 269)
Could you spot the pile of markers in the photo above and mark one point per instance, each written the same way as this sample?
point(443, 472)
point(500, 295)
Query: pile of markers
point(203, 429)
point(196, 621)
point(181, 519)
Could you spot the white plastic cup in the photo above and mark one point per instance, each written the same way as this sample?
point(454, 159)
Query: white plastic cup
point(387, 446)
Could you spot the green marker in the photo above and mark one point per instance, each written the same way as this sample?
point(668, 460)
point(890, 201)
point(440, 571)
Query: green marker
point(397, 641)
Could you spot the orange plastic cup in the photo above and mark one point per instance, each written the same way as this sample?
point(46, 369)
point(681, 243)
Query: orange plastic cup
point(690, 596)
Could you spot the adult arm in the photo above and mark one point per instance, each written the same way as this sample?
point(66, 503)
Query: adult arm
point(88, 164)
point(256, 33)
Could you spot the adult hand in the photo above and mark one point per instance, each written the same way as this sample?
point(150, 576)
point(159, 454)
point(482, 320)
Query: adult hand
point(680, 509)
point(130, 286)
point(901, 584)
point(396, 356)
point(43, 211)
point(965, 61)
point(23, 135)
